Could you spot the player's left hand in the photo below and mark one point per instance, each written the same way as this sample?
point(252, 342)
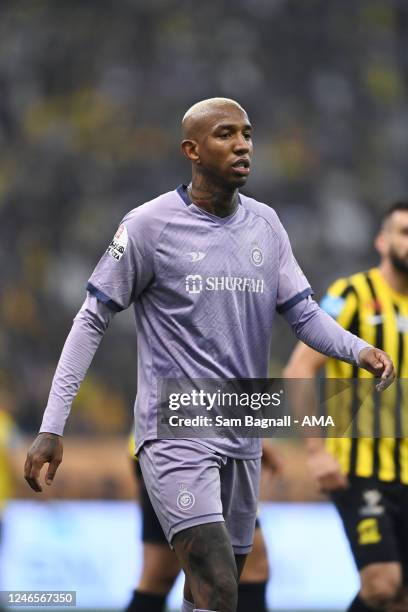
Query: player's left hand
point(271, 459)
point(378, 363)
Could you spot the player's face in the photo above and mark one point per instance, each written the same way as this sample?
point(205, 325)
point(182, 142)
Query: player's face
point(396, 240)
point(225, 147)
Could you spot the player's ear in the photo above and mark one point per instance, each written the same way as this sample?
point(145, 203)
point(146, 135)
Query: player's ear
point(189, 148)
point(380, 244)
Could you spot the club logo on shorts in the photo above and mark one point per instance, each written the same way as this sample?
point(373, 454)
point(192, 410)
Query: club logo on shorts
point(257, 256)
point(185, 499)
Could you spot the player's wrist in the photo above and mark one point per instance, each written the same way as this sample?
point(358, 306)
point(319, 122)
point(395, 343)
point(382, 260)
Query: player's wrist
point(362, 353)
point(49, 434)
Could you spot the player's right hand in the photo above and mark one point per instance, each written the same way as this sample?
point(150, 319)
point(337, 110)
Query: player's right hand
point(326, 471)
point(46, 448)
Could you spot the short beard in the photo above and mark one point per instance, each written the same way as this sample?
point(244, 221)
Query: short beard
point(400, 265)
point(214, 182)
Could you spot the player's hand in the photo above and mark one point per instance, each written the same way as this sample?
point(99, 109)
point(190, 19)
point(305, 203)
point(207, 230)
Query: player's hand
point(326, 471)
point(271, 459)
point(378, 363)
point(46, 448)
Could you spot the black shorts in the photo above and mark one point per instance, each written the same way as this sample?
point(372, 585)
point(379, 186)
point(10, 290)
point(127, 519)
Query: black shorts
point(375, 518)
point(152, 532)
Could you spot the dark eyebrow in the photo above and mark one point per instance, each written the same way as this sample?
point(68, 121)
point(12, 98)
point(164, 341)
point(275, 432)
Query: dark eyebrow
point(232, 126)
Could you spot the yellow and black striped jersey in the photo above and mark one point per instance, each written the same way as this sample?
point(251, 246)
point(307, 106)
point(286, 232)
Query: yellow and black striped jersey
point(132, 445)
point(9, 440)
point(367, 306)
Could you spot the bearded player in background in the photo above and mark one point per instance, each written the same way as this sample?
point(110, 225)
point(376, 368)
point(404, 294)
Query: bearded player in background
point(367, 475)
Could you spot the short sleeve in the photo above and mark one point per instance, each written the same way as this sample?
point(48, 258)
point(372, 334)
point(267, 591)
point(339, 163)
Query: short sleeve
point(293, 285)
point(125, 269)
point(340, 302)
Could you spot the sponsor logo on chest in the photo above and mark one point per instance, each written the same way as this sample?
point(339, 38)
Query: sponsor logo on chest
point(195, 283)
point(379, 319)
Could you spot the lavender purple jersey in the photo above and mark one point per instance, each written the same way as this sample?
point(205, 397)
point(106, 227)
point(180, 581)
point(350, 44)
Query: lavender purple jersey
point(205, 291)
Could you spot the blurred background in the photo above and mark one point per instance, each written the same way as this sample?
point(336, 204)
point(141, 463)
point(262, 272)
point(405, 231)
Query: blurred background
point(91, 98)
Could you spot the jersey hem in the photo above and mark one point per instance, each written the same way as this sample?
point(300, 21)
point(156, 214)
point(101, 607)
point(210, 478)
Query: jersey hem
point(220, 451)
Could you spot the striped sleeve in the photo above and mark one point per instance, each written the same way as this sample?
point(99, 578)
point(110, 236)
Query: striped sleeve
point(340, 302)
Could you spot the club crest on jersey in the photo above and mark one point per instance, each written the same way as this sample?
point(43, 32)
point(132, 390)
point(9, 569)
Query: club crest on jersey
point(119, 243)
point(185, 499)
point(257, 256)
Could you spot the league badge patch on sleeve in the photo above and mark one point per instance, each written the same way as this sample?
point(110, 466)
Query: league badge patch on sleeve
point(119, 243)
point(333, 305)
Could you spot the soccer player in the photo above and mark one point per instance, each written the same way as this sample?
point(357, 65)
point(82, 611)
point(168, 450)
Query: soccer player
point(367, 477)
point(160, 567)
point(205, 268)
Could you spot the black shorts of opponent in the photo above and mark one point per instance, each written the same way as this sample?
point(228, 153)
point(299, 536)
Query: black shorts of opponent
point(375, 519)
